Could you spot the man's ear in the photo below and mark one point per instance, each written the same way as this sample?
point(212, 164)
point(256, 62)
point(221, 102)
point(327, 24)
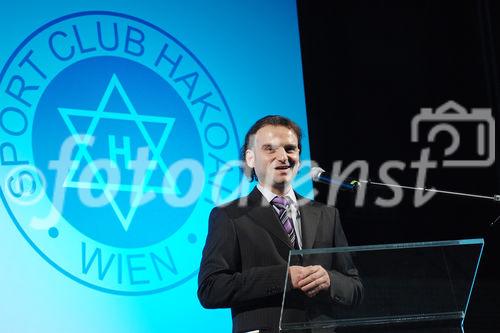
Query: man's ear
point(250, 158)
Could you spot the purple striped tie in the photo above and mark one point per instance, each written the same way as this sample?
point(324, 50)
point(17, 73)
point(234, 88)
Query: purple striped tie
point(282, 204)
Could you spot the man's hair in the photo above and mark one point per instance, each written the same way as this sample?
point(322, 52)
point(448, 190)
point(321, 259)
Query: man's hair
point(272, 120)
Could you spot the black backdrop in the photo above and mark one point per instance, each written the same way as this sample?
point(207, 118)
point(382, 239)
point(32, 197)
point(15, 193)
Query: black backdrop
point(369, 66)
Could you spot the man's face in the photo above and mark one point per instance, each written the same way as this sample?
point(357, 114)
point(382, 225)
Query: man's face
point(274, 155)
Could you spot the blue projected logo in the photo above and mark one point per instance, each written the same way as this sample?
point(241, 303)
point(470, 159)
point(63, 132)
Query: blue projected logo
point(113, 139)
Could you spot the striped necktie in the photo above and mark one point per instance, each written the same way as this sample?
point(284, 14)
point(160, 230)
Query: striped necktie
point(282, 205)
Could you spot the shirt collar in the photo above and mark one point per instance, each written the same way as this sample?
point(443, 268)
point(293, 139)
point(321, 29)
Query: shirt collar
point(270, 195)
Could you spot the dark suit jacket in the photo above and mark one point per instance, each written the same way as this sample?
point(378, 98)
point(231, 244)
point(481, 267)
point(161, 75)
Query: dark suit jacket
point(244, 261)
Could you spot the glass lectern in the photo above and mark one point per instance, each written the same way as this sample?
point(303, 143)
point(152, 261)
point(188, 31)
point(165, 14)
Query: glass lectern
point(405, 286)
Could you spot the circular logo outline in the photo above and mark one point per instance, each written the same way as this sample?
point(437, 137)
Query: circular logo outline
point(9, 211)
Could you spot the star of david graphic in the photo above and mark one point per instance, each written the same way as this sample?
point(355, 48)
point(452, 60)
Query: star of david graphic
point(86, 140)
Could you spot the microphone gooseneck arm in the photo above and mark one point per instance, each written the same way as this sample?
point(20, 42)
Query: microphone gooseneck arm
point(495, 197)
point(319, 175)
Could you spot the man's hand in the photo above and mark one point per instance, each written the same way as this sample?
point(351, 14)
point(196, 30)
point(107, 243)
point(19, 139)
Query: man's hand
point(311, 279)
point(297, 273)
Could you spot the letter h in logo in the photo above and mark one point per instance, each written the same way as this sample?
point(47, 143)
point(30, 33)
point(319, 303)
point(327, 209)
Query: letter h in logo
point(124, 150)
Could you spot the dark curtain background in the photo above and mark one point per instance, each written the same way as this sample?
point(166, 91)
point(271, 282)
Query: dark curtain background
point(369, 66)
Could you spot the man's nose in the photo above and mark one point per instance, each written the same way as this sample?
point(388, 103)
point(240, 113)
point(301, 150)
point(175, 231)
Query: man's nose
point(281, 154)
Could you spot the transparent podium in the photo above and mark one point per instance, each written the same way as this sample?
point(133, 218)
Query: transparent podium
point(414, 287)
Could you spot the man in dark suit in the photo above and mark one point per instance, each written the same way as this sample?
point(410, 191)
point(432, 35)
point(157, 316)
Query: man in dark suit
point(245, 257)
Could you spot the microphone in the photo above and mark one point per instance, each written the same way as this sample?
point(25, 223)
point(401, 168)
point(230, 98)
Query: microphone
point(319, 175)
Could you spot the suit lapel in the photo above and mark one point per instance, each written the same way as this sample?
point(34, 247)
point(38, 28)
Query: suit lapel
point(309, 217)
point(262, 213)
